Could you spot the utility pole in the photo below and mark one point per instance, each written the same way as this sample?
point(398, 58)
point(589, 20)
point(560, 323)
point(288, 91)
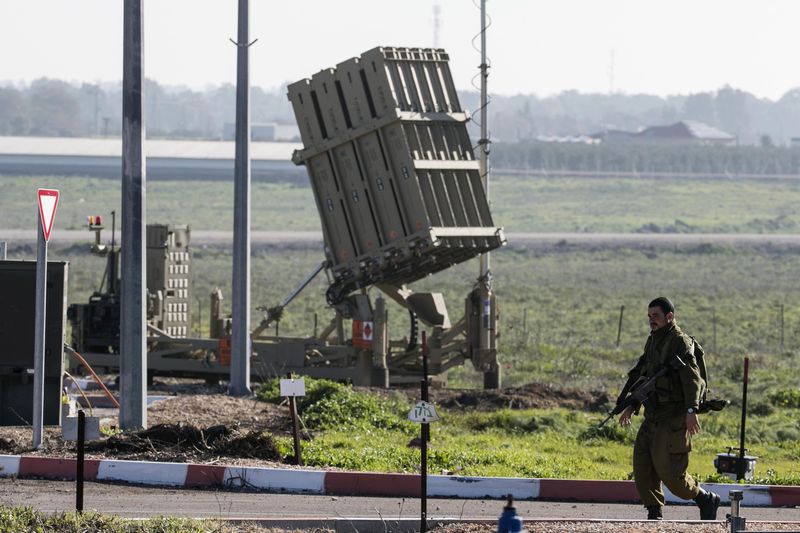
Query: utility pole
point(484, 140)
point(240, 337)
point(491, 378)
point(133, 327)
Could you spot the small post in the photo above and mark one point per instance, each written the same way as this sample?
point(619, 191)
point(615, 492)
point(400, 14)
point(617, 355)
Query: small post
point(277, 328)
point(316, 322)
point(525, 320)
point(781, 327)
point(39, 341)
point(714, 329)
point(619, 328)
point(298, 460)
point(425, 435)
point(737, 521)
point(425, 357)
point(740, 470)
point(79, 473)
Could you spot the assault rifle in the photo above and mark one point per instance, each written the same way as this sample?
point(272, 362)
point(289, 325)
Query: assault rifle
point(636, 393)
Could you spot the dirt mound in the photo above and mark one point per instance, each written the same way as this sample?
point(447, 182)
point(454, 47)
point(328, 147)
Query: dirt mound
point(204, 410)
point(187, 443)
point(532, 395)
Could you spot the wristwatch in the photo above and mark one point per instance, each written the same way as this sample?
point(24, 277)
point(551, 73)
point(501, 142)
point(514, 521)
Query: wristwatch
point(691, 410)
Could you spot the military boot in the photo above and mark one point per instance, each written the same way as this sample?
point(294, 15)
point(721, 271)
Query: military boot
point(708, 502)
point(654, 512)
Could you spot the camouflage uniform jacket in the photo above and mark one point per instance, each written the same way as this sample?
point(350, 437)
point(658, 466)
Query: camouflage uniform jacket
point(676, 391)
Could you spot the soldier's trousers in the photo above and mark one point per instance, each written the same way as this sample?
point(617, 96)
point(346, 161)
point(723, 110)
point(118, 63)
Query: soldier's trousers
point(661, 454)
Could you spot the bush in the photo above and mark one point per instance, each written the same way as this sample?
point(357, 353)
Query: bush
point(331, 405)
point(611, 431)
point(785, 398)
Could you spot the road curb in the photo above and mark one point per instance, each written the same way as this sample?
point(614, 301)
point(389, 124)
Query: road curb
point(338, 483)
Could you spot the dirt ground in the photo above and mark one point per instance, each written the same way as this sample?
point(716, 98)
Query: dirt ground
point(197, 422)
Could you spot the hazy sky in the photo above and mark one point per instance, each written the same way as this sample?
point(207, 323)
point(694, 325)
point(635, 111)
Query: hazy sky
point(536, 46)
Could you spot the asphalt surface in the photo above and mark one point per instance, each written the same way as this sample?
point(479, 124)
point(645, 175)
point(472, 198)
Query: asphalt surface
point(141, 502)
point(514, 238)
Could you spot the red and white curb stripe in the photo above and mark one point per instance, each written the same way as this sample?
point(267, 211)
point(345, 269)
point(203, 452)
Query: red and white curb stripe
point(367, 483)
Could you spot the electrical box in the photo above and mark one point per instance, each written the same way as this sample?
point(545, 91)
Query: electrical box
point(727, 464)
point(17, 323)
point(395, 179)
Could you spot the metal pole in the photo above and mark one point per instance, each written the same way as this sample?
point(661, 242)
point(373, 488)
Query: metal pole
point(425, 435)
point(39, 336)
point(79, 473)
point(484, 140)
point(619, 328)
point(738, 522)
point(298, 460)
point(240, 337)
point(133, 330)
point(741, 466)
point(425, 357)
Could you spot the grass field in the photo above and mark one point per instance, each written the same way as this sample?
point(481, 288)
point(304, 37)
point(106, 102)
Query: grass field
point(560, 307)
point(519, 204)
point(359, 431)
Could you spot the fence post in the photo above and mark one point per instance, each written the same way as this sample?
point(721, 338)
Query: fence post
point(714, 329)
point(781, 327)
point(619, 329)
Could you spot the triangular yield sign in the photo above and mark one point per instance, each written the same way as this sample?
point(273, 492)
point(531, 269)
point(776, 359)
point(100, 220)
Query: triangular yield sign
point(48, 202)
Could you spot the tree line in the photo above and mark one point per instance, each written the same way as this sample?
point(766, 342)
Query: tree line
point(646, 158)
point(48, 107)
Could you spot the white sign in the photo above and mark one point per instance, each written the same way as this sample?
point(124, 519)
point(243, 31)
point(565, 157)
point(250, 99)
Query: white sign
point(293, 387)
point(423, 412)
point(48, 202)
point(368, 331)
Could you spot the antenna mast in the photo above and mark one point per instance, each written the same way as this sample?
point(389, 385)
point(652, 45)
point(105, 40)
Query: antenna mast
point(484, 140)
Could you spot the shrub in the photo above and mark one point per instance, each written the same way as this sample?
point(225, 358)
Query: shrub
point(331, 405)
point(785, 398)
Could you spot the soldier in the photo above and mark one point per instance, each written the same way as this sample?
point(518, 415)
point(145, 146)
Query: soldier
point(661, 450)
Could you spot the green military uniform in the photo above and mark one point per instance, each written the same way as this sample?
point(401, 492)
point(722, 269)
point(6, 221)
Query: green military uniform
point(661, 450)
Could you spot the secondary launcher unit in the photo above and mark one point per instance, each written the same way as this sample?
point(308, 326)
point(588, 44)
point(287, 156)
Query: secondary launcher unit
point(390, 161)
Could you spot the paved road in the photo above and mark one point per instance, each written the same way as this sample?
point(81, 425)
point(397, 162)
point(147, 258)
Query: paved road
point(514, 238)
point(133, 501)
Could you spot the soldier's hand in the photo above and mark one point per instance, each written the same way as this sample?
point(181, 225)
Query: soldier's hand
point(692, 423)
point(625, 417)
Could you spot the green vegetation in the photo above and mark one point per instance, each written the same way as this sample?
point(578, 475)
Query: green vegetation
point(553, 443)
point(520, 204)
point(27, 519)
point(329, 405)
point(560, 307)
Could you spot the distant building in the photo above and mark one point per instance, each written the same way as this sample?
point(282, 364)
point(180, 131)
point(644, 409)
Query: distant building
point(687, 131)
point(794, 142)
point(165, 159)
point(583, 139)
point(690, 131)
point(611, 135)
point(264, 132)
